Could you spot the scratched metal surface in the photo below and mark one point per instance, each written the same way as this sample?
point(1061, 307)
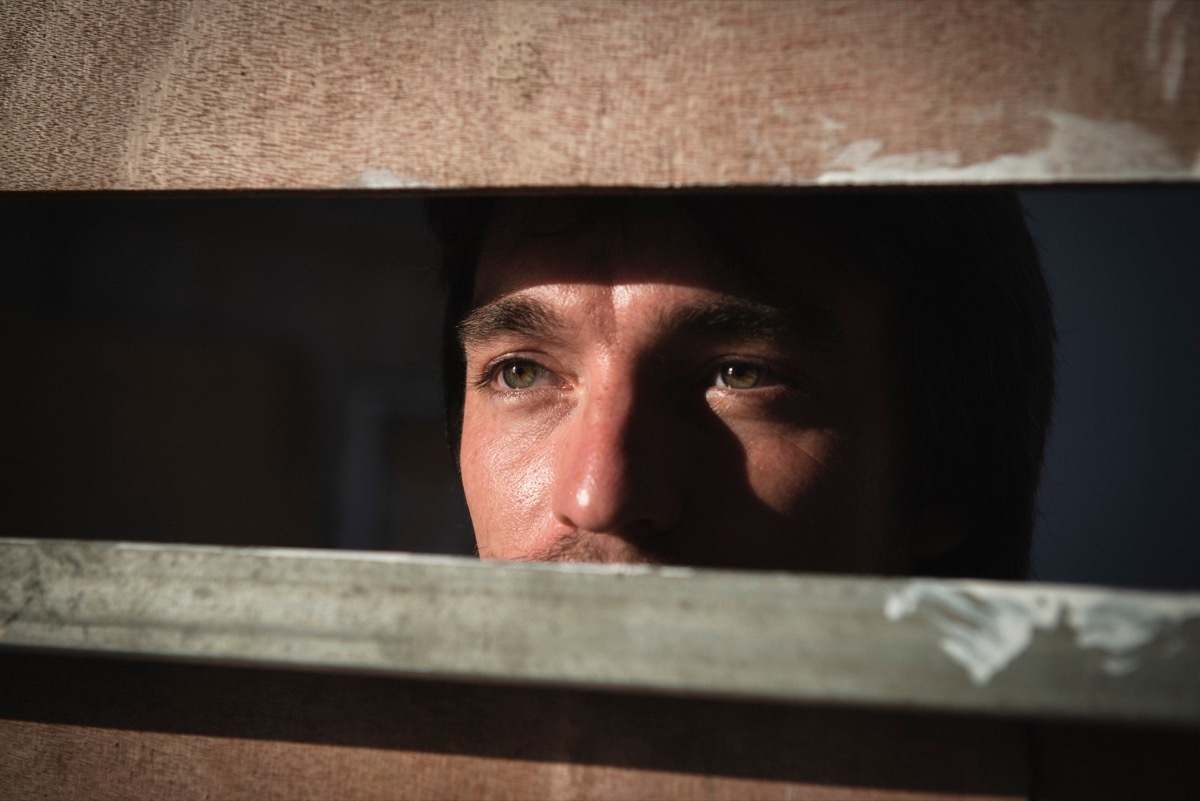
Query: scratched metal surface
point(985, 648)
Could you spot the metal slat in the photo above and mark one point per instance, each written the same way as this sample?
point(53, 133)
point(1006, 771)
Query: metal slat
point(977, 647)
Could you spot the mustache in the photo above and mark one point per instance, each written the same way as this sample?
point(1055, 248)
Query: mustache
point(585, 546)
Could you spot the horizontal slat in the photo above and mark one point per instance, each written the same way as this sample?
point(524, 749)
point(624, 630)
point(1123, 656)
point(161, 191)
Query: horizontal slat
point(983, 648)
point(223, 94)
point(133, 729)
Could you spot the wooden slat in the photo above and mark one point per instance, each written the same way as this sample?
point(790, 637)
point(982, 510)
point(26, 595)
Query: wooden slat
point(984, 648)
point(107, 729)
point(223, 94)
point(115, 729)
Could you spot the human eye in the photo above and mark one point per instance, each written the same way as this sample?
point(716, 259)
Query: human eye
point(742, 375)
point(509, 375)
point(738, 375)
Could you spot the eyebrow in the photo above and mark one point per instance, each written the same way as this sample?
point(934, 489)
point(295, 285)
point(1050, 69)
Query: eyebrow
point(732, 317)
point(807, 325)
point(509, 316)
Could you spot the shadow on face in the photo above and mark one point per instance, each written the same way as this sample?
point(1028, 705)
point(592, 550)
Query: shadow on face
point(636, 394)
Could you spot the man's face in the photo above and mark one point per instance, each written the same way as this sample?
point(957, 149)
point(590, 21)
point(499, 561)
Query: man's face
point(630, 398)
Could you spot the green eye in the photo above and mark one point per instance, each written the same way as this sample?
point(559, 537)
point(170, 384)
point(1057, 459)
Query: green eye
point(739, 375)
point(519, 375)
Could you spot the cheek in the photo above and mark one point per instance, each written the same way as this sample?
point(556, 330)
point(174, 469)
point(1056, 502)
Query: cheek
point(830, 494)
point(506, 475)
point(786, 471)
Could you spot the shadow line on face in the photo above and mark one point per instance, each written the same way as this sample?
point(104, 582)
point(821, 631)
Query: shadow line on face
point(681, 482)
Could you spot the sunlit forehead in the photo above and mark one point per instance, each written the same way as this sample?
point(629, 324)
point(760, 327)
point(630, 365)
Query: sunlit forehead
point(666, 248)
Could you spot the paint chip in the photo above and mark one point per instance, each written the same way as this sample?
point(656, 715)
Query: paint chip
point(986, 627)
point(374, 178)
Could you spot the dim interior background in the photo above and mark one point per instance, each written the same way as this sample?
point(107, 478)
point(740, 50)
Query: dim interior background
point(264, 371)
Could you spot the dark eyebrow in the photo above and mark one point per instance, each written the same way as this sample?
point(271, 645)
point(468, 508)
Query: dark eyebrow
point(807, 326)
point(519, 316)
point(732, 317)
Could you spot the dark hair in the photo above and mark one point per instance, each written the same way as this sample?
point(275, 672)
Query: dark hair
point(973, 329)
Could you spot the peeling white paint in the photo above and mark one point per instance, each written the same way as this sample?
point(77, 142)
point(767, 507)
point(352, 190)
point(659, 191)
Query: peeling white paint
point(1159, 9)
point(829, 125)
point(1120, 629)
point(375, 178)
point(1172, 69)
point(983, 634)
point(1171, 62)
point(860, 154)
point(856, 153)
point(1076, 146)
point(985, 627)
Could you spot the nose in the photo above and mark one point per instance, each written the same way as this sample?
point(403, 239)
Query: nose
point(618, 470)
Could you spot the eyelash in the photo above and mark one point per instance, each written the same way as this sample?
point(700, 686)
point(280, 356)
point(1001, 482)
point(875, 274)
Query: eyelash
point(768, 376)
point(491, 373)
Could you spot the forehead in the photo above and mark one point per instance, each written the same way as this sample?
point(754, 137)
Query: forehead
point(547, 243)
point(612, 242)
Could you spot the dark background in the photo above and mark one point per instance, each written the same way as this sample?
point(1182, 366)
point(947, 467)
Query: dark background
point(263, 370)
point(1121, 488)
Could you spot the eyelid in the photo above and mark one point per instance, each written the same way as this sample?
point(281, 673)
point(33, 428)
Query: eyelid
point(772, 373)
point(490, 373)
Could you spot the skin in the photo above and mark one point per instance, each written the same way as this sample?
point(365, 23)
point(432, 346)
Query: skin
point(630, 398)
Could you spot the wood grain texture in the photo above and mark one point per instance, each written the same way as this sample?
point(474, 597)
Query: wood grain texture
point(72, 728)
point(220, 94)
point(112, 729)
point(52, 762)
point(995, 648)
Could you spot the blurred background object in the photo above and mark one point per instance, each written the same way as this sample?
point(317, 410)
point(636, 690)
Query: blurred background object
point(232, 370)
point(1121, 487)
